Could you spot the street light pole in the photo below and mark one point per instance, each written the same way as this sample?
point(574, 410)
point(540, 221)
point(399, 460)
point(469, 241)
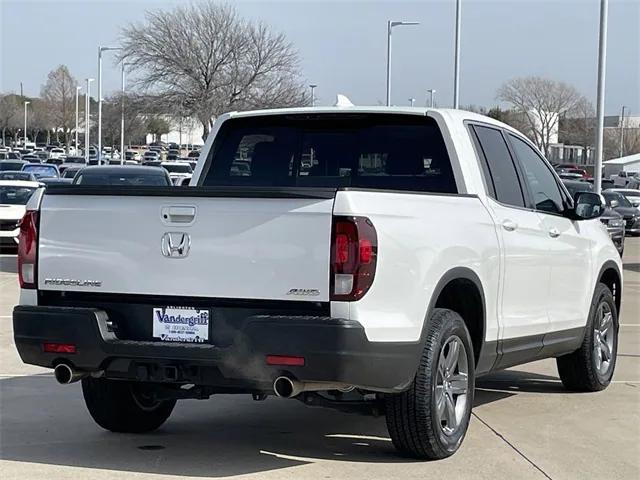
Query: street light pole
point(122, 117)
point(87, 127)
point(432, 96)
point(456, 65)
point(412, 101)
point(622, 132)
point(602, 65)
point(26, 102)
point(313, 94)
point(100, 50)
point(390, 25)
point(78, 88)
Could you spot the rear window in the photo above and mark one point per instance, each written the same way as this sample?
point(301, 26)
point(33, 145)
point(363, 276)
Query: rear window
point(121, 179)
point(389, 152)
point(177, 168)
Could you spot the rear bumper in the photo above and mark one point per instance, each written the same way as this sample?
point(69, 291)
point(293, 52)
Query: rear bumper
point(335, 350)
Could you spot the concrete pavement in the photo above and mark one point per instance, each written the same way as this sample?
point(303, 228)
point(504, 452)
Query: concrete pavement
point(525, 425)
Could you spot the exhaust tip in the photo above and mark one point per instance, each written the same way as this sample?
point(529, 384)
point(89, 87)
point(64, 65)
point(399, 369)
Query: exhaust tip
point(63, 373)
point(283, 387)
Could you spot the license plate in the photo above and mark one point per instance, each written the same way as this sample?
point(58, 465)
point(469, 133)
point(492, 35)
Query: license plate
point(181, 324)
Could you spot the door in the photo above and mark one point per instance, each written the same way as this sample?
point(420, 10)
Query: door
point(525, 274)
point(568, 250)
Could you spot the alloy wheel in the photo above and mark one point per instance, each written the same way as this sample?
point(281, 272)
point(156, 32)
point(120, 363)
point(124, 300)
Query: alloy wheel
point(452, 385)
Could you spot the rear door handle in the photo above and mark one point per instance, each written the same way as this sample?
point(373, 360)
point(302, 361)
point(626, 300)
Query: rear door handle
point(554, 233)
point(509, 225)
point(178, 214)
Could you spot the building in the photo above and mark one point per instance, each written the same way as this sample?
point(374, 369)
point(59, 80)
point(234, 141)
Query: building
point(186, 131)
point(629, 163)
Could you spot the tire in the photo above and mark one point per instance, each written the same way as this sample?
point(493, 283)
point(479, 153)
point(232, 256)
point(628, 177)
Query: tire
point(417, 427)
point(125, 407)
point(591, 367)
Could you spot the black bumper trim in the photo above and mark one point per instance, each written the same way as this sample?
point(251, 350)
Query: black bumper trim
point(335, 350)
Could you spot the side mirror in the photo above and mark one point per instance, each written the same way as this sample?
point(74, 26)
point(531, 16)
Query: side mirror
point(587, 205)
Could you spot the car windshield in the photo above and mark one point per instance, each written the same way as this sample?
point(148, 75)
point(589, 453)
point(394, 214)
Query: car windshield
point(41, 171)
point(380, 151)
point(177, 168)
point(621, 199)
point(15, 195)
point(120, 178)
point(9, 175)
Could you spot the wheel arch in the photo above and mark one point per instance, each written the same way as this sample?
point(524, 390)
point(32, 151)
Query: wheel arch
point(472, 308)
point(610, 275)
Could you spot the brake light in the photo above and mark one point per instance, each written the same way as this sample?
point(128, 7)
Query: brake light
point(354, 251)
point(49, 347)
point(285, 360)
point(27, 249)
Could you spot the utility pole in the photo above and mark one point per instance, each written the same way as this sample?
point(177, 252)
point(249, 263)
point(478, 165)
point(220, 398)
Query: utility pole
point(456, 63)
point(622, 132)
point(78, 88)
point(602, 65)
point(26, 102)
point(87, 126)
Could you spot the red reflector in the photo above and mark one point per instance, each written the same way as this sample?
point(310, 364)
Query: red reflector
point(285, 360)
point(59, 347)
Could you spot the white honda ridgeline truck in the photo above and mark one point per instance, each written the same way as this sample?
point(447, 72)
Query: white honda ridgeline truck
point(364, 259)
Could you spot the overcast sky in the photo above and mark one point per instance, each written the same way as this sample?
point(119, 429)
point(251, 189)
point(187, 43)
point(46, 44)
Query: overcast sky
point(342, 45)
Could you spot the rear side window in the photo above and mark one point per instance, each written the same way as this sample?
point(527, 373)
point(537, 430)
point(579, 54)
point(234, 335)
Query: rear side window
point(499, 169)
point(389, 152)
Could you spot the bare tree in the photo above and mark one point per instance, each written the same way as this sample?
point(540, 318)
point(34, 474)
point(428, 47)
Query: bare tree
point(9, 112)
point(134, 125)
point(542, 102)
point(206, 60)
point(611, 145)
point(59, 93)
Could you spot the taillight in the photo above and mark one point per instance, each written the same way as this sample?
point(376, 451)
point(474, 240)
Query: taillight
point(354, 252)
point(27, 249)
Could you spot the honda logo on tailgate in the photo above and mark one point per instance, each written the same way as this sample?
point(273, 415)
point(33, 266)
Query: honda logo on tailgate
point(176, 244)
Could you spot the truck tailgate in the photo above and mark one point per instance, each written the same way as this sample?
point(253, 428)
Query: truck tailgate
point(223, 245)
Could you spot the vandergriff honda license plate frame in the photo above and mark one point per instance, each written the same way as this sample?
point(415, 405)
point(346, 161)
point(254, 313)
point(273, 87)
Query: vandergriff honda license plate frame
point(181, 324)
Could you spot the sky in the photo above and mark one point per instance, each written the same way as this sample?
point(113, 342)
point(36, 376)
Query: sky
point(342, 45)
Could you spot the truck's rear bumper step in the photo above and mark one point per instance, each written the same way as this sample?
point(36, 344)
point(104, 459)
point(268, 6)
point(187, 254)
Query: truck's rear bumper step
point(334, 350)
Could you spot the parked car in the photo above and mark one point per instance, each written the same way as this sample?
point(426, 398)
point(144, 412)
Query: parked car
point(55, 161)
point(194, 154)
point(17, 175)
point(42, 155)
point(150, 156)
point(132, 155)
point(177, 169)
point(624, 207)
point(622, 178)
point(71, 171)
point(31, 158)
point(123, 175)
point(14, 195)
point(386, 292)
point(630, 194)
point(41, 170)
point(570, 176)
point(76, 160)
point(46, 181)
point(56, 153)
point(182, 181)
point(613, 221)
point(14, 164)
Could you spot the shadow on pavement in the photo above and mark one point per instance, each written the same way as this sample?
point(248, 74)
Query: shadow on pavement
point(42, 422)
point(8, 263)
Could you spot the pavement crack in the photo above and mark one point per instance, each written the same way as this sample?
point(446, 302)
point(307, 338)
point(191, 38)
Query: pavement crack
point(513, 447)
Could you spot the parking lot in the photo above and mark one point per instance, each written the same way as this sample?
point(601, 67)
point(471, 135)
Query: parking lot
point(524, 425)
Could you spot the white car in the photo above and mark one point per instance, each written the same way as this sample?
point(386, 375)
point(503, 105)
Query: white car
point(412, 251)
point(57, 153)
point(14, 195)
point(177, 171)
